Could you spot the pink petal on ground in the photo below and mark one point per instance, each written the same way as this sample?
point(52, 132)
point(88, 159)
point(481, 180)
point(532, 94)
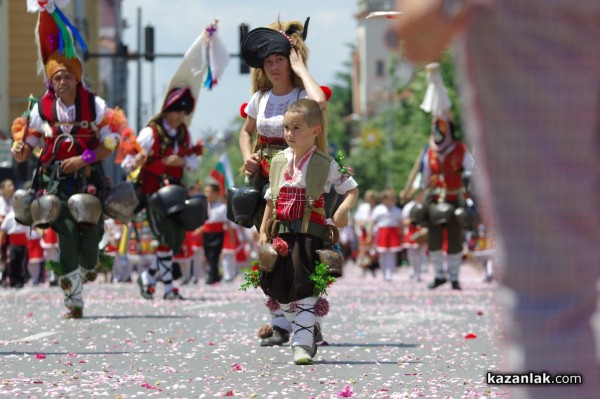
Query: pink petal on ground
point(40, 356)
point(148, 386)
point(470, 336)
point(346, 392)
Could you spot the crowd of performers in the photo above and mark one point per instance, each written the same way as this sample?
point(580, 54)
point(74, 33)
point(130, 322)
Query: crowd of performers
point(296, 199)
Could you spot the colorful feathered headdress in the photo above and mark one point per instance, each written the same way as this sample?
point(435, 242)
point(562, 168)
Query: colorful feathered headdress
point(55, 36)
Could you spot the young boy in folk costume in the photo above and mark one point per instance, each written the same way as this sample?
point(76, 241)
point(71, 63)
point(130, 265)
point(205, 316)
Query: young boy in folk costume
point(299, 220)
point(166, 152)
point(446, 159)
point(76, 130)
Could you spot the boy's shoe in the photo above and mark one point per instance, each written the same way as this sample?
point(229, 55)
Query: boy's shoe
point(302, 355)
point(318, 335)
point(173, 295)
point(436, 283)
point(147, 291)
point(74, 313)
point(210, 280)
point(279, 337)
point(456, 285)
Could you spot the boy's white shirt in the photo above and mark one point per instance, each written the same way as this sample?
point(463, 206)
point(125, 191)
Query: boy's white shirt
point(217, 212)
point(334, 179)
point(11, 226)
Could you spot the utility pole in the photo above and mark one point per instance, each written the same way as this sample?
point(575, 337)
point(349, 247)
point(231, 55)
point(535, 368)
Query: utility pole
point(139, 71)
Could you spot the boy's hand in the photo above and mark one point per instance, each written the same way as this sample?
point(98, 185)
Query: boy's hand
point(263, 239)
point(340, 219)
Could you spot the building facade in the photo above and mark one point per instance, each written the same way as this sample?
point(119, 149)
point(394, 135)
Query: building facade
point(375, 45)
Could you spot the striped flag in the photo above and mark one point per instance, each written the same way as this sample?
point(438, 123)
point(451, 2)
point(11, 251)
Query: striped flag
point(222, 173)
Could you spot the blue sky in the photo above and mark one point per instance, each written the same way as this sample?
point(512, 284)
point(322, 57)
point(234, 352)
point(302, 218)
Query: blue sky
point(178, 22)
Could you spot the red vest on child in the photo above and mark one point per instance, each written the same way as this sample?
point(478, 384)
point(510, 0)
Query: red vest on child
point(154, 169)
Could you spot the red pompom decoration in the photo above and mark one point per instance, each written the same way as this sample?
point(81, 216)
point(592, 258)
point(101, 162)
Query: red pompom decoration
point(264, 331)
point(327, 92)
point(272, 304)
point(91, 189)
point(321, 307)
point(243, 113)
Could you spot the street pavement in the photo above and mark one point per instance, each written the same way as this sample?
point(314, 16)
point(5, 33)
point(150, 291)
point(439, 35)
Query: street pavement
point(383, 340)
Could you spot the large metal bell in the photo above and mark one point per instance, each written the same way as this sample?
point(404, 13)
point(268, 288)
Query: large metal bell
point(45, 210)
point(86, 209)
point(22, 200)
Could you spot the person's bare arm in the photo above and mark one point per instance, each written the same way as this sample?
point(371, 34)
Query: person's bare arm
point(268, 215)
point(340, 218)
point(313, 90)
point(22, 152)
point(249, 157)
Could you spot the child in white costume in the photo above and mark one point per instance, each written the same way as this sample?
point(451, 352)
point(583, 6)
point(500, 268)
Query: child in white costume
point(387, 226)
point(289, 282)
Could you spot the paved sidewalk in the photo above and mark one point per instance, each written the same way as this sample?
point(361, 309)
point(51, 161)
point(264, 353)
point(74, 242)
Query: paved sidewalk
point(384, 340)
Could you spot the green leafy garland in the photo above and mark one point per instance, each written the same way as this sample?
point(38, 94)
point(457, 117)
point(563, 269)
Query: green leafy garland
point(105, 263)
point(345, 170)
point(251, 276)
point(54, 266)
point(321, 278)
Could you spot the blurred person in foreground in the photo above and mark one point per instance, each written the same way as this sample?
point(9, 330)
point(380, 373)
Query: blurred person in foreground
point(530, 73)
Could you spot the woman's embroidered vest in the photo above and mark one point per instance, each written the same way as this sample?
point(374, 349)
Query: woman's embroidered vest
point(83, 132)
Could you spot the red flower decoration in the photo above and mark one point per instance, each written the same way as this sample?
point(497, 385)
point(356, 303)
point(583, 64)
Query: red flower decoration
point(198, 148)
point(327, 92)
point(243, 113)
point(91, 189)
point(470, 336)
point(281, 246)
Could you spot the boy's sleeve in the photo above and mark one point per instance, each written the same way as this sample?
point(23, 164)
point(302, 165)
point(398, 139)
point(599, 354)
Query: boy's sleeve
point(342, 182)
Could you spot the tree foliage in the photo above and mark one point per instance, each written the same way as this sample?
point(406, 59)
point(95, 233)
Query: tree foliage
point(377, 168)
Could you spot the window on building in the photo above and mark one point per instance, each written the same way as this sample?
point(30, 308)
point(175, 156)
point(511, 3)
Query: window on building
point(380, 68)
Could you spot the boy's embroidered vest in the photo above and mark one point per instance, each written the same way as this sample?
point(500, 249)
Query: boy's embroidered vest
point(84, 131)
point(317, 173)
point(154, 169)
point(451, 168)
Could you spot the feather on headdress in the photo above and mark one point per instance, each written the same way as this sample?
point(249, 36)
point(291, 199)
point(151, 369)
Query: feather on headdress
point(55, 36)
point(203, 64)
